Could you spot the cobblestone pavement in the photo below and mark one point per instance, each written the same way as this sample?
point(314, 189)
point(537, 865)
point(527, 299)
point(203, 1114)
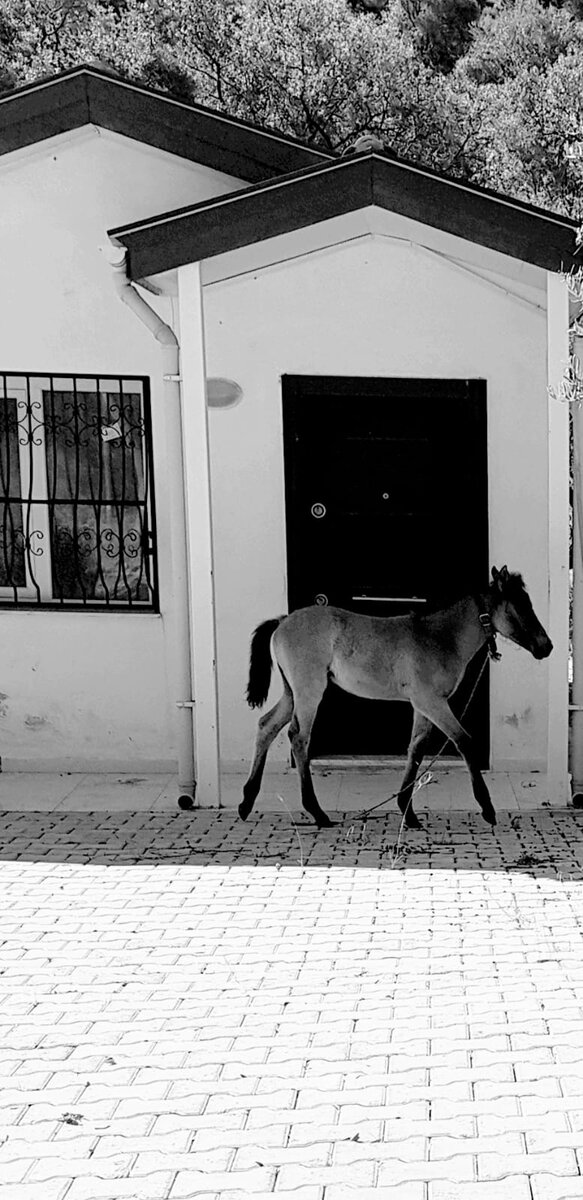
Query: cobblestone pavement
point(192, 1007)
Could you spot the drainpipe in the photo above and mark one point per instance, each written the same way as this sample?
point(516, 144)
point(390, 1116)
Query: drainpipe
point(181, 634)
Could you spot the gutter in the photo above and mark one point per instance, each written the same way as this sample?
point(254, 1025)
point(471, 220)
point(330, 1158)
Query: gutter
point(180, 620)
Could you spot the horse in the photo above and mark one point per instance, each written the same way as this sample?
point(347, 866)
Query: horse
point(419, 658)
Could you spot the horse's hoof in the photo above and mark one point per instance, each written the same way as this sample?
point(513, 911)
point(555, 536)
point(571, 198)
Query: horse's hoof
point(489, 815)
point(324, 822)
point(413, 822)
point(244, 809)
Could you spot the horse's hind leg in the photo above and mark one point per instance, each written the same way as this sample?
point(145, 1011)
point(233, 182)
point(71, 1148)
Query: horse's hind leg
point(268, 727)
point(438, 711)
point(422, 727)
point(300, 732)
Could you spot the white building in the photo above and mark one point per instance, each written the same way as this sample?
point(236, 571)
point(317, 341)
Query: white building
point(379, 341)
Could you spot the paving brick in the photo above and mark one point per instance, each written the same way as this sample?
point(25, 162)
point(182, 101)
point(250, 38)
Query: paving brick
point(58, 1111)
point(547, 1087)
point(211, 1137)
point(54, 1189)
point(117, 1143)
point(517, 1188)
point(313, 1154)
point(457, 1169)
point(358, 1176)
point(543, 1125)
point(551, 1187)
point(112, 1167)
point(154, 1187)
point(408, 1114)
point(551, 1137)
point(188, 1183)
point(16, 1148)
point(316, 1115)
point(497, 1166)
point(14, 1170)
point(400, 1191)
point(575, 1117)
point(504, 1144)
point(205, 1162)
point(409, 1149)
point(26, 1134)
point(365, 1094)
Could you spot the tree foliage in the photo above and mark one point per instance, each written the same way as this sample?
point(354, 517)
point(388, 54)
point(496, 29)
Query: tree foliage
point(489, 91)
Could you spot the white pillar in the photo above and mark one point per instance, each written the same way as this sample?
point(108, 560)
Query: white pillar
point(200, 536)
point(558, 493)
point(576, 742)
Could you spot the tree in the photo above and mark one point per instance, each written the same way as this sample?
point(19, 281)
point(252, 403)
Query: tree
point(488, 94)
point(444, 30)
point(532, 136)
point(39, 37)
point(508, 39)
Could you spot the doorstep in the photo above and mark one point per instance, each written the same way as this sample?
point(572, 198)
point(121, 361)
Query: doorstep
point(345, 790)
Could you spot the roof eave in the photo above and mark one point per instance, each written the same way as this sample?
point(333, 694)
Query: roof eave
point(308, 197)
point(28, 117)
point(90, 96)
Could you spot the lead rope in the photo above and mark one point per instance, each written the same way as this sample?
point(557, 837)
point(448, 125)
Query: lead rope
point(491, 652)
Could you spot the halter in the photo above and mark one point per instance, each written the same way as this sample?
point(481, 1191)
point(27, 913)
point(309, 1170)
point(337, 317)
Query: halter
point(490, 634)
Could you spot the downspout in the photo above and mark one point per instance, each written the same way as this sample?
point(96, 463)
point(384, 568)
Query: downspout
point(182, 633)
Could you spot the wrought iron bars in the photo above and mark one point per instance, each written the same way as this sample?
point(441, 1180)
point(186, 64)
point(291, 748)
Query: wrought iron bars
point(76, 492)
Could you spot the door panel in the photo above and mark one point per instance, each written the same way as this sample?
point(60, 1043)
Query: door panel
point(386, 503)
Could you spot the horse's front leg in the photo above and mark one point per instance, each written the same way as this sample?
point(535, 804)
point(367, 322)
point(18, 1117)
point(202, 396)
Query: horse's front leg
point(437, 710)
point(419, 737)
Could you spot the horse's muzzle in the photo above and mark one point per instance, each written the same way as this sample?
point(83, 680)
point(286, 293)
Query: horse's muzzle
point(542, 649)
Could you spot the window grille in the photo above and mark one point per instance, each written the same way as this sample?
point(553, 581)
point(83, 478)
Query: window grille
point(77, 526)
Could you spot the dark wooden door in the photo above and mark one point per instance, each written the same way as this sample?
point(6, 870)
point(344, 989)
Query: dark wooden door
point(386, 511)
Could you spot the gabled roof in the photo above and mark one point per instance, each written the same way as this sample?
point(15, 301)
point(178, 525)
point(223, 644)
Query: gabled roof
point(90, 95)
point(345, 185)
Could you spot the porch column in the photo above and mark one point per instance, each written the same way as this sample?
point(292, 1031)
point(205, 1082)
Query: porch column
point(199, 535)
point(576, 723)
point(558, 500)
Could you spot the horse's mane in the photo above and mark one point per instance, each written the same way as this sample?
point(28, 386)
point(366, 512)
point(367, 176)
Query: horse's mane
point(513, 584)
point(437, 601)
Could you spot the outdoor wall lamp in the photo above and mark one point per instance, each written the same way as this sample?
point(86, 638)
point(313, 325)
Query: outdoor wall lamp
point(223, 393)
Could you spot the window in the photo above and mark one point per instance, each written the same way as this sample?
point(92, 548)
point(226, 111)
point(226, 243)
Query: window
point(76, 499)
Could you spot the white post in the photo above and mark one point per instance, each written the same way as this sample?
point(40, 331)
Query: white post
point(576, 744)
point(558, 498)
point(200, 537)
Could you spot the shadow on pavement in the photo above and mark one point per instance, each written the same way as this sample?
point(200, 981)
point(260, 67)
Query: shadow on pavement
point(547, 843)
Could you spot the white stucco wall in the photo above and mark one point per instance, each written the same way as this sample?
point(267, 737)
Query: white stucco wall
point(89, 691)
point(86, 690)
point(373, 307)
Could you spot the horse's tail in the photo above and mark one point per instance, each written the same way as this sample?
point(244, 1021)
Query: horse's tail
point(260, 663)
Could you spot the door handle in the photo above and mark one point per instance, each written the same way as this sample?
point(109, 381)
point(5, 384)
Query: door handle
point(392, 599)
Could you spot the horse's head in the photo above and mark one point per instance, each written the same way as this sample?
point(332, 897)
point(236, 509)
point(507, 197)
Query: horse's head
point(513, 616)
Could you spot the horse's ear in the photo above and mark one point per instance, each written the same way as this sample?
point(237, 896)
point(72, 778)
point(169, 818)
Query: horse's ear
point(494, 574)
point(504, 574)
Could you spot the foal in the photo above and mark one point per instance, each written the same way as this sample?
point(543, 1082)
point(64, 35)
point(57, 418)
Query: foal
point(417, 658)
